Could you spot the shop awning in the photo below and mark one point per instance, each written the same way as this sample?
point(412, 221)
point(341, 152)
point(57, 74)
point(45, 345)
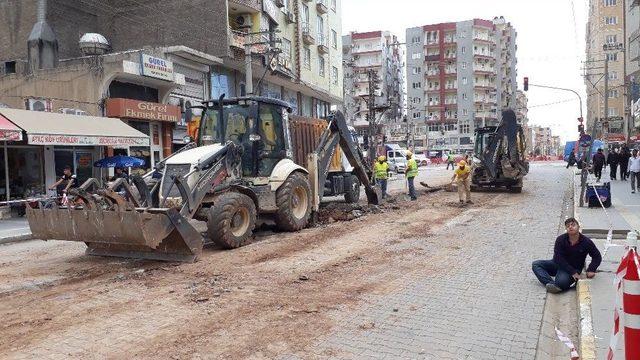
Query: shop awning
point(8, 131)
point(45, 128)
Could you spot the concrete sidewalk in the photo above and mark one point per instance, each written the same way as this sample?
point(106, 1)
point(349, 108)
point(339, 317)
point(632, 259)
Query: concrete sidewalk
point(596, 297)
point(16, 229)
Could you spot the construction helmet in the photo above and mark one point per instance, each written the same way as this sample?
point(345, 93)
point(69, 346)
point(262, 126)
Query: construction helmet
point(381, 158)
point(462, 163)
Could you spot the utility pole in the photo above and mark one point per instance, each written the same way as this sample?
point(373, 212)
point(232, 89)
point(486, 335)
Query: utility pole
point(371, 114)
point(269, 46)
point(606, 95)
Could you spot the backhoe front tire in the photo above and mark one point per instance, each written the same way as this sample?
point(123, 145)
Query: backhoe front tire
point(293, 200)
point(231, 220)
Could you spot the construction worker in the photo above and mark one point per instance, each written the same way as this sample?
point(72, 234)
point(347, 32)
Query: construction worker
point(381, 173)
point(411, 172)
point(463, 180)
point(450, 161)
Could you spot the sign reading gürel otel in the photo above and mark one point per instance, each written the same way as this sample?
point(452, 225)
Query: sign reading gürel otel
point(156, 67)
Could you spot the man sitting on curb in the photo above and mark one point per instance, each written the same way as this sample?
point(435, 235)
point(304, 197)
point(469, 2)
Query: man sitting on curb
point(569, 255)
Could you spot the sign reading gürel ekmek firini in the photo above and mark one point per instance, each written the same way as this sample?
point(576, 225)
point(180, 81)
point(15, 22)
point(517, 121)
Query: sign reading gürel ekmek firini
point(156, 67)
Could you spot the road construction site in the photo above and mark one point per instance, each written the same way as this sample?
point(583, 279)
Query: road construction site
point(366, 278)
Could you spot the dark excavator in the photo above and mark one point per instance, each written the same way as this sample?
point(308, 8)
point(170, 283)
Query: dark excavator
point(500, 155)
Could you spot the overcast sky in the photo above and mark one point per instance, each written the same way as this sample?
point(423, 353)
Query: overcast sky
point(550, 43)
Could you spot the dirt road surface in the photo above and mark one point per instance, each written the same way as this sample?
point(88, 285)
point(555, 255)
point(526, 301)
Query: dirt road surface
point(275, 296)
point(268, 298)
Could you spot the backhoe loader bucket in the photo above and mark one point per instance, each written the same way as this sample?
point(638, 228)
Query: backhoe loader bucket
point(157, 234)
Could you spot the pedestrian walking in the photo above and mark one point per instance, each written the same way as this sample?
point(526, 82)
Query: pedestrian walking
point(461, 175)
point(411, 172)
point(634, 171)
point(625, 155)
point(381, 174)
point(572, 159)
point(612, 160)
point(451, 161)
point(569, 256)
point(598, 163)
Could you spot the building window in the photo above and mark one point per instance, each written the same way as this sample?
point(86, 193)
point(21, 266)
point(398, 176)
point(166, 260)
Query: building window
point(613, 94)
point(417, 85)
point(611, 39)
point(465, 129)
point(305, 16)
point(307, 58)
point(613, 75)
point(334, 39)
point(415, 40)
point(463, 49)
point(334, 75)
point(609, 2)
point(611, 20)
point(320, 28)
point(612, 56)
point(416, 70)
point(464, 96)
point(465, 112)
point(613, 112)
point(463, 65)
point(286, 48)
point(464, 81)
point(415, 56)
point(321, 66)
point(416, 115)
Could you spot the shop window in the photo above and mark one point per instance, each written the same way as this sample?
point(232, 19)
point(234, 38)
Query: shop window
point(26, 178)
point(124, 90)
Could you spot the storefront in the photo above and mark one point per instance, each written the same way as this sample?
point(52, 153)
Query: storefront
point(54, 141)
point(151, 119)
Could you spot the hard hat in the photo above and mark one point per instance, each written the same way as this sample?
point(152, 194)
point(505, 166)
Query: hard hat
point(381, 158)
point(462, 163)
point(409, 153)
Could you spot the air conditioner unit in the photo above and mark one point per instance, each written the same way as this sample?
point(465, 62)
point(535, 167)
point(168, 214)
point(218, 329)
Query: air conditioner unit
point(244, 21)
point(71, 111)
point(38, 105)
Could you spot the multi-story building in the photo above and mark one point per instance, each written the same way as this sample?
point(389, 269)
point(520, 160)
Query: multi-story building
point(146, 67)
point(605, 43)
point(522, 115)
point(632, 67)
point(459, 76)
point(378, 51)
point(542, 140)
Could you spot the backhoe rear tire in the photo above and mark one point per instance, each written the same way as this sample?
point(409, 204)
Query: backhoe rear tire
point(351, 189)
point(293, 200)
point(231, 220)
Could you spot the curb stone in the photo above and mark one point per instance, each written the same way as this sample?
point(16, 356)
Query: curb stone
point(586, 338)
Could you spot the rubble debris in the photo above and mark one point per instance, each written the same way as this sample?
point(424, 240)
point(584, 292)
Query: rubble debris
point(303, 277)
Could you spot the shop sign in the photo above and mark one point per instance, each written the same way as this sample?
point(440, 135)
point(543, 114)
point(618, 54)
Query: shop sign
point(270, 9)
point(135, 109)
point(82, 140)
point(615, 137)
point(156, 67)
point(10, 135)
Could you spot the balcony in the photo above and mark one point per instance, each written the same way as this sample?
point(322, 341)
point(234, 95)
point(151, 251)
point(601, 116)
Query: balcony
point(432, 57)
point(307, 38)
point(322, 6)
point(237, 39)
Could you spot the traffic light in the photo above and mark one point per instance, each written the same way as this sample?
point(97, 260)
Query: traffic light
point(526, 83)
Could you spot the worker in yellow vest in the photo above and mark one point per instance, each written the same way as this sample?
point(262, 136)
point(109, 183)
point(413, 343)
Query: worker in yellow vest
point(462, 177)
point(381, 173)
point(411, 172)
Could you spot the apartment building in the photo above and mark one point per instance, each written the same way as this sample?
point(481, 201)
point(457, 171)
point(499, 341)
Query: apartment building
point(459, 77)
point(542, 141)
point(605, 42)
point(632, 67)
point(307, 72)
point(522, 115)
point(378, 51)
